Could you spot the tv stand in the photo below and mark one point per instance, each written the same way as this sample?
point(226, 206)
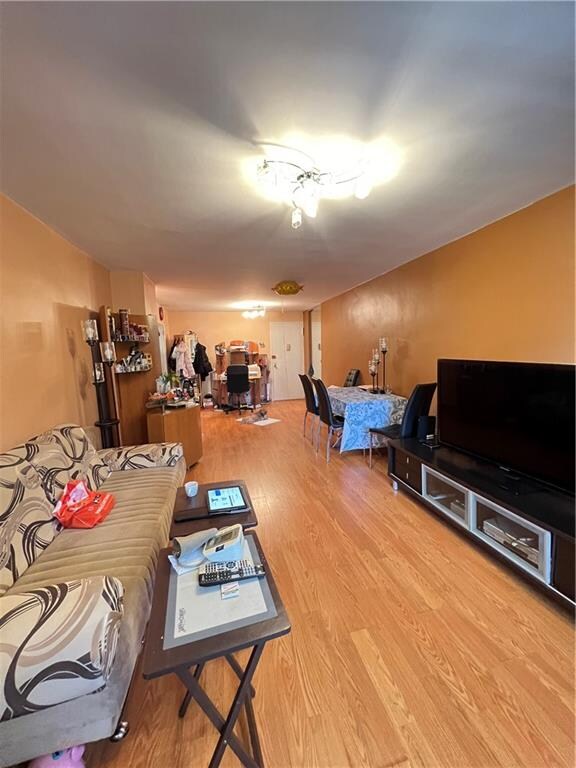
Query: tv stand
point(522, 522)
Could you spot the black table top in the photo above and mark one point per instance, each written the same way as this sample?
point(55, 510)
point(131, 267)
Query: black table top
point(157, 661)
point(198, 505)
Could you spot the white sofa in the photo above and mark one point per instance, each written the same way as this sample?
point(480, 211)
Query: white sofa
point(143, 480)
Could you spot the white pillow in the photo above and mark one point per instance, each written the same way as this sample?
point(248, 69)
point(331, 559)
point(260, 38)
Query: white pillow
point(58, 643)
point(26, 523)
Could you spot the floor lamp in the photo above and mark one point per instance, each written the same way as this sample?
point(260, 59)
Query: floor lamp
point(102, 354)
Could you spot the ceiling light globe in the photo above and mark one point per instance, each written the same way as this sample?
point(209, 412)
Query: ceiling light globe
point(363, 188)
point(310, 207)
point(296, 218)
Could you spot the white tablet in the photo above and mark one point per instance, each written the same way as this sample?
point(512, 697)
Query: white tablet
point(226, 500)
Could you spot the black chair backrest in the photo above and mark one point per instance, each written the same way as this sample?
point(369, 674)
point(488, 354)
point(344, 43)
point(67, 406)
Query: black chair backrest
point(311, 406)
point(237, 381)
point(324, 407)
point(418, 405)
point(352, 377)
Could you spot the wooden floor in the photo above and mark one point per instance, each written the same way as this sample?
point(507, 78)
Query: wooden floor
point(409, 646)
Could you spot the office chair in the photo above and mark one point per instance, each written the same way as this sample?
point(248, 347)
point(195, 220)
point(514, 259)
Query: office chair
point(311, 404)
point(352, 377)
point(237, 382)
point(326, 416)
point(418, 405)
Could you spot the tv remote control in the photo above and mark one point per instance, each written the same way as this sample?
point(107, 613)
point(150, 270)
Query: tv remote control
point(212, 574)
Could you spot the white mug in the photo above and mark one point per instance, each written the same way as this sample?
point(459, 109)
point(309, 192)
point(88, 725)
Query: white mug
point(191, 488)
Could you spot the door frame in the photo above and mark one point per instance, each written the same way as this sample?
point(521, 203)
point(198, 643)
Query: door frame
point(275, 324)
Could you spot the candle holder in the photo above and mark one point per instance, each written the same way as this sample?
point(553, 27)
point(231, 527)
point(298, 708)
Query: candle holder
point(98, 375)
point(103, 354)
point(90, 331)
point(373, 371)
point(108, 352)
point(383, 346)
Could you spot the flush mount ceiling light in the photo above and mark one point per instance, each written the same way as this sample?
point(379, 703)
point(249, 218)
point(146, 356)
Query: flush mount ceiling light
point(252, 314)
point(337, 169)
point(287, 288)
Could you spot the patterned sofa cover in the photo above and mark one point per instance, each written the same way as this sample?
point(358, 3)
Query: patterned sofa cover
point(143, 480)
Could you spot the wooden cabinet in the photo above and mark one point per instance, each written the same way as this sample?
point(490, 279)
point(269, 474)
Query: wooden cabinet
point(409, 469)
point(178, 425)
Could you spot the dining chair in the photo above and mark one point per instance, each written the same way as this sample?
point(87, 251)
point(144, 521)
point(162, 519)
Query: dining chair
point(418, 405)
point(326, 416)
point(352, 377)
point(311, 404)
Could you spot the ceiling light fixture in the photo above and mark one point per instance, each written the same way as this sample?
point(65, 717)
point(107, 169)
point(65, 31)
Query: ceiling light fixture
point(292, 176)
point(252, 314)
point(287, 288)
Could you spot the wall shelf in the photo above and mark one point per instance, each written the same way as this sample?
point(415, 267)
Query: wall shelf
point(137, 370)
point(132, 388)
point(132, 340)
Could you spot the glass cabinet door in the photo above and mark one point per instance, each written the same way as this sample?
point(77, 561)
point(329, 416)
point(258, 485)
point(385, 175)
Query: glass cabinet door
point(447, 496)
point(521, 541)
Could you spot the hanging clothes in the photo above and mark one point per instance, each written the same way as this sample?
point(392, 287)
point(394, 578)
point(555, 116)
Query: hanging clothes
point(184, 365)
point(172, 355)
point(202, 365)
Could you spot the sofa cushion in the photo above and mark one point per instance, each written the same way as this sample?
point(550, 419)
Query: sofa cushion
point(26, 523)
point(142, 456)
point(126, 544)
point(79, 455)
point(58, 643)
point(53, 467)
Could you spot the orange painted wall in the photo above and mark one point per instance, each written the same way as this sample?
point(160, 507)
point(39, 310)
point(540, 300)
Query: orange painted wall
point(214, 327)
point(47, 286)
point(505, 292)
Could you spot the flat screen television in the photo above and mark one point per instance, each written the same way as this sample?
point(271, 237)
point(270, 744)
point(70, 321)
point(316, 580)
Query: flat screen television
point(519, 415)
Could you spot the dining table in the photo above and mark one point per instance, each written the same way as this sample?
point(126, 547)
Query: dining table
point(361, 410)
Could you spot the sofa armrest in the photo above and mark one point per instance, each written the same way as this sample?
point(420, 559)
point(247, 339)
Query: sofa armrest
point(142, 456)
point(58, 643)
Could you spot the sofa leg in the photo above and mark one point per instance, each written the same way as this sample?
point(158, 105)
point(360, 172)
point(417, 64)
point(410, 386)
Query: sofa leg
point(121, 731)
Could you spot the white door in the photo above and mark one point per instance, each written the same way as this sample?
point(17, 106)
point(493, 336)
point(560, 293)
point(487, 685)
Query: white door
point(316, 348)
point(286, 360)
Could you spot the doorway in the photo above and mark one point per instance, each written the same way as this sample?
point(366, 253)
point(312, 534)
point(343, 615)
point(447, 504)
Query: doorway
point(316, 342)
point(286, 359)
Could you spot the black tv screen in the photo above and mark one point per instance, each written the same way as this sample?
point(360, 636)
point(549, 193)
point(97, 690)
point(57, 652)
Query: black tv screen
point(518, 415)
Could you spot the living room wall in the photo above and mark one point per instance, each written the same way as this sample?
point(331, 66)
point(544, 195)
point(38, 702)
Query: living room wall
point(214, 327)
point(47, 286)
point(505, 292)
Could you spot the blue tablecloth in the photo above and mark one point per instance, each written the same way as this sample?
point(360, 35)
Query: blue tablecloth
point(362, 410)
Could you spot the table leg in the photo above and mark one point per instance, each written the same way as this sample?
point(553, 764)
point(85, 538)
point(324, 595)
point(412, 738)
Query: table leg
point(253, 731)
point(226, 726)
point(239, 671)
point(186, 700)
point(226, 734)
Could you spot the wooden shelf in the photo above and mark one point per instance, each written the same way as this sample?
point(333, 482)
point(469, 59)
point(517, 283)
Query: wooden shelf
point(131, 341)
point(140, 370)
point(130, 392)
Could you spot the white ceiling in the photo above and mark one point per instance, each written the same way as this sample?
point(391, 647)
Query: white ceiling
point(125, 125)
